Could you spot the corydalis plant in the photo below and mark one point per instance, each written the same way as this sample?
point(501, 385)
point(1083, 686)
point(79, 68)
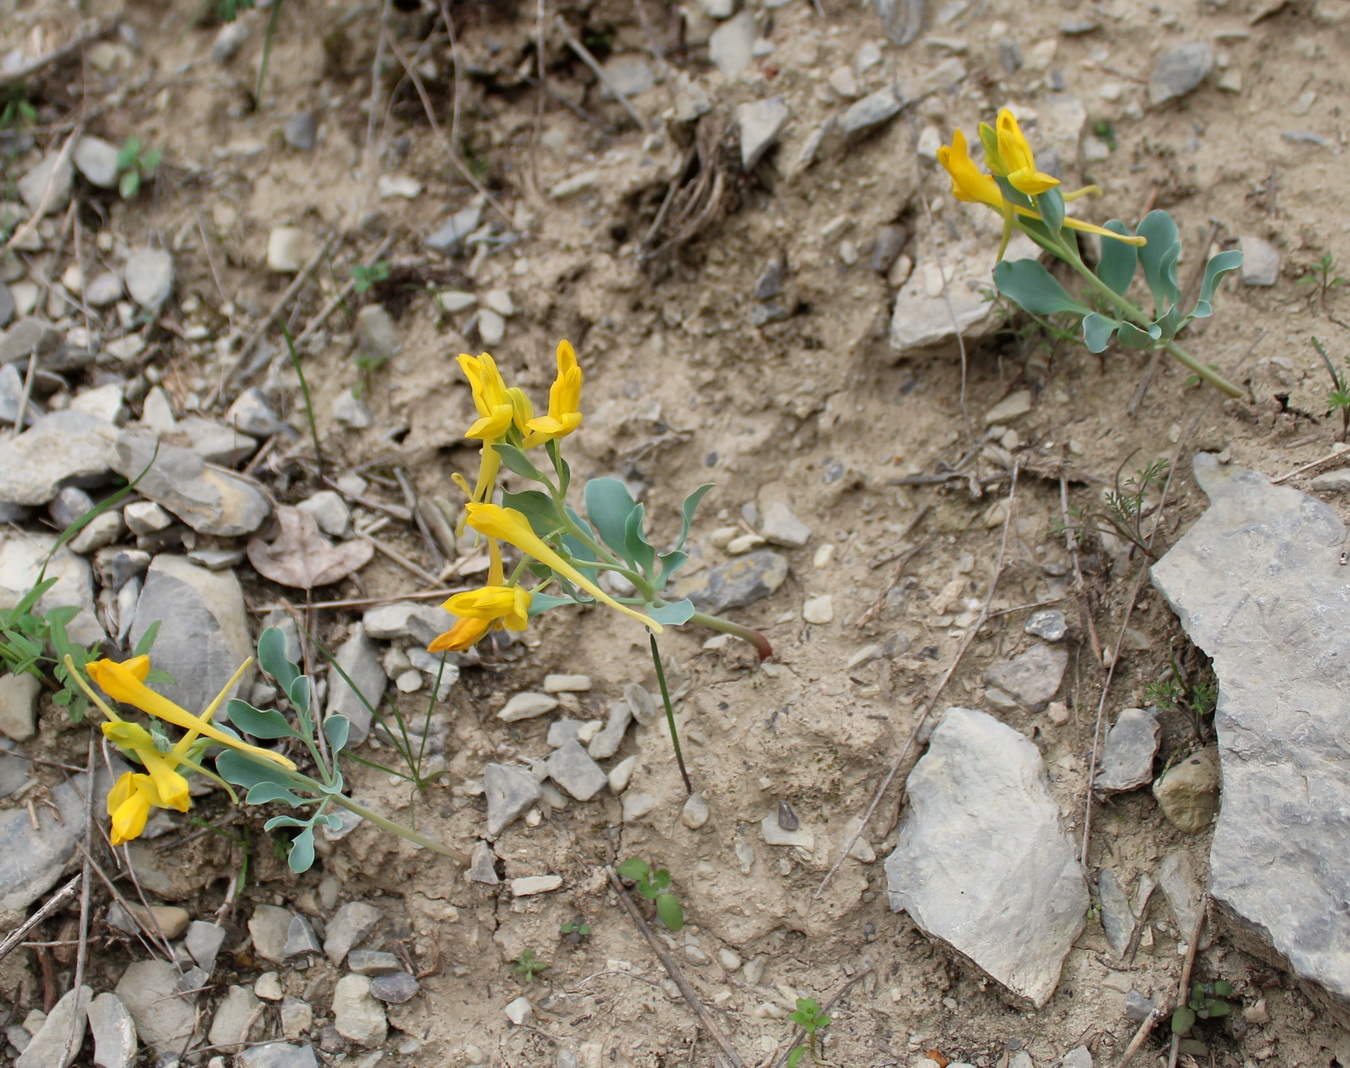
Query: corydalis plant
point(1033, 203)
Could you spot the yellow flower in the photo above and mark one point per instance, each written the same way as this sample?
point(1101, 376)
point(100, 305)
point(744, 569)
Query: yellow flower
point(489, 607)
point(973, 186)
point(489, 397)
point(564, 401)
point(125, 682)
point(511, 526)
point(137, 741)
point(465, 633)
point(1014, 154)
point(129, 804)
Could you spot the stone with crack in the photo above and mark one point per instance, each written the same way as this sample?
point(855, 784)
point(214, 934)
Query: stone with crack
point(510, 791)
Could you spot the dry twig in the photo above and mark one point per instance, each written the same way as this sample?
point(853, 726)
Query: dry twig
point(584, 54)
point(51, 905)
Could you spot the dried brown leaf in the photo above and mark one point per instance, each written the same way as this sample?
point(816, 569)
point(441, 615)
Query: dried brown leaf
point(302, 557)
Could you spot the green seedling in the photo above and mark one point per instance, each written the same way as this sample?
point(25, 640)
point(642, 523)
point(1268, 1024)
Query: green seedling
point(364, 276)
point(575, 930)
point(1106, 133)
point(16, 109)
point(1195, 695)
point(811, 1018)
point(654, 886)
point(528, 965)
point(1339, 397)
point(135, 166)
point(1208, 1002)
point(1323, 278)
point(1125, 509)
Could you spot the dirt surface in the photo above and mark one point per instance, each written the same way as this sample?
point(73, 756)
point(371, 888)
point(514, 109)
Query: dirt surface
point(814, 410)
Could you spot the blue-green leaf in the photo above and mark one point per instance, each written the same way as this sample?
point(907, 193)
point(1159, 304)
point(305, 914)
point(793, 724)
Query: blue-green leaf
point(301, 856)
point(687, 510)
point(560, 465)
point(673, 614)
point(635, 544)
point(300, 691)
point(263, 792)
point(336, 728)
point(538, 509)
point(1159, 258)
point(1051, 206)
point(543, 602)
point(514, 459)
point(1118, 261)
point(1032, 287)
point(1132, 337)
point(668, 909)
point(243, 771)
point(608, 506)
point(272, 656)
point(1220, 264)
point(1097, 331)
point(671, 562)
point(259, 723)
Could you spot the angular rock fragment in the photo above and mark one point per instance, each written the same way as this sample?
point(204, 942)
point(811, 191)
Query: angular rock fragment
point(982, 861)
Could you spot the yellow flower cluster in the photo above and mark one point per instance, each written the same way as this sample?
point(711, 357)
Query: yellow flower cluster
point(161, 785)
point(1008, 155)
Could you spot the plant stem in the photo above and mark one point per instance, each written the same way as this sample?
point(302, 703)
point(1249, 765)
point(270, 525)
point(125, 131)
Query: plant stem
point(670, 713)
point(726, 626)
point(1135, 313)
point(398, 828)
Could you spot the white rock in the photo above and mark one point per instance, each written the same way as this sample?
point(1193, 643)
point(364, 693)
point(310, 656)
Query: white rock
point(620, 775)
point(567, 683)
point(694, 813)
point(819, 610)
point(519, 1011)
point(530, 885)
point(803, 837)
point(499, 300)
point(491, 327)
point(526, 706)
point(288, 249)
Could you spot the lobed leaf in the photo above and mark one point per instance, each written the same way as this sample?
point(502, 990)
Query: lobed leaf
point(1220, 264)
point(336, 728)
point(263, 792)
point(259, 723)
point(1033, 288)
point(673, 614)
point(1098, 331)
point(608, 506)
point(1159, 258)
point(1118, 261)
point(635, 545)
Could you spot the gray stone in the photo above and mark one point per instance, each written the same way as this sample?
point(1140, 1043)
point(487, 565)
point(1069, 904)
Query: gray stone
point(299, 131)
point(203, 635)
point(870, 113)
point(1117, 918)
point(450, 237)
point(269, 927)
point(1015, 405)
point(54, 170)
point(886, 248)
point(1078, 1057)
point(901, 21)
point(149, 277)
point(351, 411)
point(252, 413)
point(575, 772)
point(351, 923)
point(330, 511)
point(1257, 586)
point(982, 861)
point(395, 988)
point(491, 327)
point(1032, 678)
point(20, 560)
point(642, 704)
point(164, 1019)
point(694, 813)
point(209, 499)
point(106, 403)
point(731, 46)
point(229, 39)
point(775, 834)
point(297, 1017)
point(1188, 793)
point(769, 284)
point(213, 442)
point(760, 123)
point(203, 943)
point(1183, 887)
point(629, 73)
point(288, 249)
point(27, 336)
point(377, 335)
point(276, 1055)
point(235, 1018)
point(484, 867)
point(780, 526)
point(607, 741)
point(300, 938)
point(1139, 1008)
point(115, 567)
point(60, 449)
point(405, 619)
point(357, 1016)
point(6, 305)
point(736, 584)
point(1048, 623)
point(96, 159)
point(359, 659)
point(14, 771)
point(18, 706)
point(527, 705)
point(1127, 755)
point(510, 791)
point(373, 962)
point(59, 1038)
point(562, 731)
point(104, 289)
point(69, 505)
point(12, 398)
point(114, 1032)
point(1179, 71)
point(1260, 261)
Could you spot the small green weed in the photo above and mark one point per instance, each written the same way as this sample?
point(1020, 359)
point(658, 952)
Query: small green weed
point(1323, 279)
point(1195, 692)
point(1339, 397)
point(811, 1018)
point(1105, 133)
point(575, 930)
point(16, 109)
point(1125, 509)
point(135, 166)
point(528, 965)
point(1208, 1002)
point(654, 886)
point(366, 275)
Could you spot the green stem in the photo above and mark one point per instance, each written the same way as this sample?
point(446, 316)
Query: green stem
point(726, 626)
point(670, 713)
point(1134, 312)
point(398, 828)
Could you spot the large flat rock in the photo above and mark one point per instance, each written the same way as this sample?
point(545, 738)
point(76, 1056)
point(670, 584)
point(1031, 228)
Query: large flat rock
point(982, 862)
point(1257, 585)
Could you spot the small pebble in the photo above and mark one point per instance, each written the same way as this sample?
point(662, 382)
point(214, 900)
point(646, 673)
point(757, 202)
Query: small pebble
point(694, 813)
point(787, 819)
